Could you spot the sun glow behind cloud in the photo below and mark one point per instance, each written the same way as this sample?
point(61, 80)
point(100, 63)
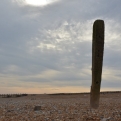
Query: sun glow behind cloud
point(37, 2)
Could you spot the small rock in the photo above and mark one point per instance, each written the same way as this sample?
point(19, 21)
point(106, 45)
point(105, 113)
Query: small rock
point(10, 110)
point(106, 119)
point(37, 108)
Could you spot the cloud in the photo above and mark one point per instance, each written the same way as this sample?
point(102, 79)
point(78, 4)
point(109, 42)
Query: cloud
point(51, 46)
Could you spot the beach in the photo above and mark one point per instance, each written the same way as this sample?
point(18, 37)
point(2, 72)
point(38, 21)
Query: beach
point(60, 107)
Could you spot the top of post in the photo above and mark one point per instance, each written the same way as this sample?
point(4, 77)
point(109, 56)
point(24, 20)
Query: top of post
point(98, 29)
point(99, 22)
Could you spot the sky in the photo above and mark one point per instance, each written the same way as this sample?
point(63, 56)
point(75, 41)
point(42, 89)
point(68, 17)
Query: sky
point(46, 45)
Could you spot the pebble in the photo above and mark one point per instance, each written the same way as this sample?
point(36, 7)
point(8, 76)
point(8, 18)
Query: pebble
point(60, 108)
point(37, 108)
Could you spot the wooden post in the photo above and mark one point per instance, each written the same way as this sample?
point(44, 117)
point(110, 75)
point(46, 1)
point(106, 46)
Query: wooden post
point(97, 62)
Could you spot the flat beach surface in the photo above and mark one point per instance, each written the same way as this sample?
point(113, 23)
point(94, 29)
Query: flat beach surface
point(74, 107)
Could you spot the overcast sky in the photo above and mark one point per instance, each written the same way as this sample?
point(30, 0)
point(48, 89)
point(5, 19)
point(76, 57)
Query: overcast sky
point(46, 47)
